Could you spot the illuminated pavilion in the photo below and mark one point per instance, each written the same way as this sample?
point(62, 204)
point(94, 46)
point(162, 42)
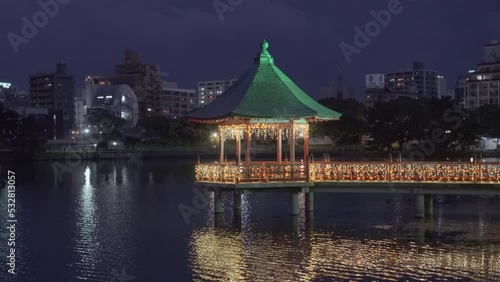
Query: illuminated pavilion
point(266, 103)
point(263, 103)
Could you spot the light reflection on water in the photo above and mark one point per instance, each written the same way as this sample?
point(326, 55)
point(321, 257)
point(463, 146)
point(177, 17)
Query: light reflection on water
point(87, 244)
point(227, 254)
point(232, 248)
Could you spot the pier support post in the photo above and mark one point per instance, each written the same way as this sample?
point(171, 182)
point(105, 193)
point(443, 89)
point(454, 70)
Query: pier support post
point(429, 207)
point(237, 219)
point(310, 202)
point(218, 203)
point(237, 200)
point(219, 220)
point(419, 205)
point(310, 221)
point(294, 203)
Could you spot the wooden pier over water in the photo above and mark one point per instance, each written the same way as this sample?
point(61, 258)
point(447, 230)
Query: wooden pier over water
point(421, 179)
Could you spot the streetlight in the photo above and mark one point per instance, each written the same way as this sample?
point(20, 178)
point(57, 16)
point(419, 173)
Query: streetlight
point(86, 131)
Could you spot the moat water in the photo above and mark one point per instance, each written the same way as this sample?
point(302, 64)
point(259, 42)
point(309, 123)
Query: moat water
point(121, 221)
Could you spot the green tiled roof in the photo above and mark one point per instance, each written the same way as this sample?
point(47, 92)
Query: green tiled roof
point(264, 91)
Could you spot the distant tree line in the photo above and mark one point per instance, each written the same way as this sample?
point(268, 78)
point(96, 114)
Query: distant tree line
point(174, 132)
point(20, 134)
point(156, 131)
point(399, 123)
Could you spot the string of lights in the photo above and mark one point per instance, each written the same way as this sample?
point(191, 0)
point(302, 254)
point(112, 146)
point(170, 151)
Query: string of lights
point(375, 172)
point(264, 131)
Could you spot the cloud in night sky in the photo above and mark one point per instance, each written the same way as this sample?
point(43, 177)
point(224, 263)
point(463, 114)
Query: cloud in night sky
point(188, 40)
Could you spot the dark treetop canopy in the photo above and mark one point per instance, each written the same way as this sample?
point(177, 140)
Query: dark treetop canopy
point(264, 91)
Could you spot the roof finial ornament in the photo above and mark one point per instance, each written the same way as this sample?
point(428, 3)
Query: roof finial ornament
point(264, 57)
point(264, 46)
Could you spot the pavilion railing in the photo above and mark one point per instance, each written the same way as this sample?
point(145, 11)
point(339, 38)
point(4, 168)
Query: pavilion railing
point(349, 172)
point(252, 172)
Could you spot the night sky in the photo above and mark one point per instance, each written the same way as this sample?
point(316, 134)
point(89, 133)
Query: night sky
point(189, 40)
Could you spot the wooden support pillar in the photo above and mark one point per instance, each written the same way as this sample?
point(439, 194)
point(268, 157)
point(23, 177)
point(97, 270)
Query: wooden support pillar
point(429, 207)
point(419, 206)
point(310, 201)
point(279, 143)
point(294, 203)
point(292, 142)
point(306, 146)
point(237, 200)
point(247, 145)
point(238, 148)
point(219, 220)
point(221, 146)
point(218, 203)
point(310, 221)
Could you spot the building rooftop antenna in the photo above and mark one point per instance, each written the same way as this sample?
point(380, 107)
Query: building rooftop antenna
point(340, 95)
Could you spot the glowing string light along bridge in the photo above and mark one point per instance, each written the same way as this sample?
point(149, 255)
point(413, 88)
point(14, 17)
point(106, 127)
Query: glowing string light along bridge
point(421, 179)
point(349, 172)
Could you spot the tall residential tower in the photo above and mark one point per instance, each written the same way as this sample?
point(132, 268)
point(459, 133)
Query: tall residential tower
point(55, 91)
point(483, 86)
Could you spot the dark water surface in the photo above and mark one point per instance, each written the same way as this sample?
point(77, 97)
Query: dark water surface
point(104, 219)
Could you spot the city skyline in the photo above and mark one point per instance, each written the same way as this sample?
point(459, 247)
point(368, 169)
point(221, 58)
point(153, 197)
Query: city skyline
point(233, 33)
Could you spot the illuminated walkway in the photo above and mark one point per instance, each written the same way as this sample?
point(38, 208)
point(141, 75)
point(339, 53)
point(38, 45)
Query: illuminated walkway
point(422, 179)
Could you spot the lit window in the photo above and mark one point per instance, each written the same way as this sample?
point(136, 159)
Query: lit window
point(149, 109)
point(109, 97)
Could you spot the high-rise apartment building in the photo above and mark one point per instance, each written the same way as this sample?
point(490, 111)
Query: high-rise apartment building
point(417, 80)
point(155, 96)
point(55, 91)
point(208, 91)
point(175, 101)
point(460, 88)
point(442, 84)
point(483, 85)
point(143, 78)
